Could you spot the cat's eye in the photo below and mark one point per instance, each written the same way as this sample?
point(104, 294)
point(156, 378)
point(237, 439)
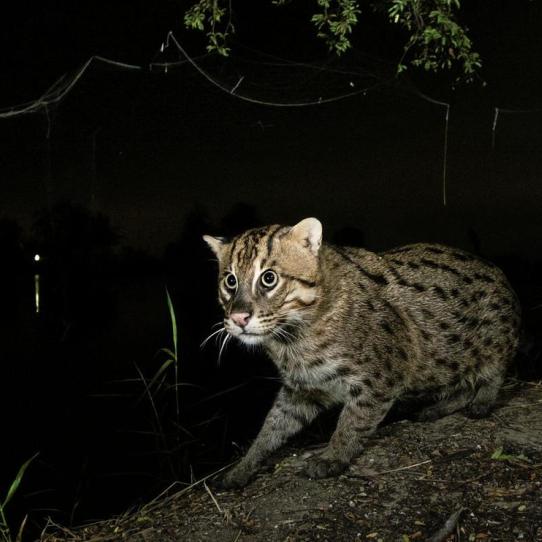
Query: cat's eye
point(269, 279)
point(230, 281)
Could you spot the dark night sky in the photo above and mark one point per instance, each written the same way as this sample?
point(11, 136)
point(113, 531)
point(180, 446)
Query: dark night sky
point(169, 144)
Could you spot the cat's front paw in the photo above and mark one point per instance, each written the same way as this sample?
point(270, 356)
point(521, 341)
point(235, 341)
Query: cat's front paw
point(234, 479)
point(320, 467)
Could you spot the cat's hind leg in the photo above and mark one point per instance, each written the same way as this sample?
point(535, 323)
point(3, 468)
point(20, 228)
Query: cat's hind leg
point(485, 397)
point(447, 405)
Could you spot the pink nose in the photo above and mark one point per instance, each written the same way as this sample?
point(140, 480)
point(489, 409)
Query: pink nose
point(240, 318)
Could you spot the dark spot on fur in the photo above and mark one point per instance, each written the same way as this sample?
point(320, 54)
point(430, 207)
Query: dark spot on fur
point(454, 292)
point(425, 335)
point(430, 263)
point(367, 382)
point(427, 313)
point(370, 305)
point(453, 338)
point(402, 353)
point(453, 366)
point(390, 382)
point(413, 265)
point(444, 325)
point(377, 351)
point(495, 306)
point(419, 287)
point(435, 250)
point(467, 343)
point(344, 371)
point(450, 269)
point(317, 362)
point(386, 327)
point(355, 391)
point(472, 323)
point(462, 257)
point(467, 279)
point(440, 292)
point(484, 278)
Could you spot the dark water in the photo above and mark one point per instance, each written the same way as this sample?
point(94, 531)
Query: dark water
point(72, 389)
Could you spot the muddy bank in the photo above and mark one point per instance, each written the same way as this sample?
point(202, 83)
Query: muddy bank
point(453, 479)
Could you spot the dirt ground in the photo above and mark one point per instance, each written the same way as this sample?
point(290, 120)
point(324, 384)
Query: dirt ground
point(455, 479)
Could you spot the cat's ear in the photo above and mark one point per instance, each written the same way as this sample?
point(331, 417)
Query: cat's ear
point(308, 232)
point(216, 244)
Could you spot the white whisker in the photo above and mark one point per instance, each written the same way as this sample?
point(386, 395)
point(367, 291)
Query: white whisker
point(224, 342)
point(211, 336)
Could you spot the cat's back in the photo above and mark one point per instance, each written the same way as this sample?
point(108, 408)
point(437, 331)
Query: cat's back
point(429, 260)
point(453, 301)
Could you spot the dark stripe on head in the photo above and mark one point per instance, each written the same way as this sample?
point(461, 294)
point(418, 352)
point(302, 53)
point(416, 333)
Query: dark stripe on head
point(232, 249)
point(270, 240)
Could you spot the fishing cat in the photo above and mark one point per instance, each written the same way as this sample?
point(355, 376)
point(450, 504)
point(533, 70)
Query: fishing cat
point(348, 326)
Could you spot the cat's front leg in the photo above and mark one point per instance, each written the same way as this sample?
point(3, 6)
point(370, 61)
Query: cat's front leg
point(359, 418)
point(290, 412)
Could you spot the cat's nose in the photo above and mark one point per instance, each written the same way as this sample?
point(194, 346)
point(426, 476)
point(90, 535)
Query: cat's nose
point(240, 318)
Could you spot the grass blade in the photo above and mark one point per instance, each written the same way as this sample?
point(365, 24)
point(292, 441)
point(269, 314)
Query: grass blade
point(173, 321)
point(17, 482)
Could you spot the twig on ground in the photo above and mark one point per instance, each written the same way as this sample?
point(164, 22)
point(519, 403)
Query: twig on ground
point(404, 468)
point(213, 498)
point(373, 474)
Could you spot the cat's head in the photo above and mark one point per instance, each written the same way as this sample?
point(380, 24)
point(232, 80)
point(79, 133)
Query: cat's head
point(268, 280)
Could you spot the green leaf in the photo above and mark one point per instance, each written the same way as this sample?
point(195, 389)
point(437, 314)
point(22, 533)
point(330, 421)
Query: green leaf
point(17, 482)
point(498, 455)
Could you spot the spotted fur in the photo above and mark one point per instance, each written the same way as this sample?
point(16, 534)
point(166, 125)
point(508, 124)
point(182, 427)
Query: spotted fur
point(347, 326)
